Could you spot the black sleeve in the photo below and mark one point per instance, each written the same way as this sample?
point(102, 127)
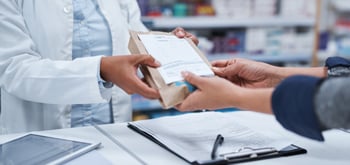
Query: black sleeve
point(293, 106)
point(308, 105)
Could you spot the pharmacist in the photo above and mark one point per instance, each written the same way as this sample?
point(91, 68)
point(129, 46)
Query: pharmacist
point(56, 63)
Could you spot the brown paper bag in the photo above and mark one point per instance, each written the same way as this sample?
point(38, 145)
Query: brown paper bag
point(171, 94)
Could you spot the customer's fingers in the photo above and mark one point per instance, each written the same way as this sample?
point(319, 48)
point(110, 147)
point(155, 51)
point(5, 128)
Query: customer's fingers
point(192, 78)
point(220, 63)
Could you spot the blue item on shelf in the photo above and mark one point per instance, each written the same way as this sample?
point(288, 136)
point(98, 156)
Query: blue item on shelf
point(144, 7)
point(180, 10)
point(324, 37)
point(343, 44)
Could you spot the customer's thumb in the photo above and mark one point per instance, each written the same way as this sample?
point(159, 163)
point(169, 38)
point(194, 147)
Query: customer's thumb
point(218, 71)
point(191, 78)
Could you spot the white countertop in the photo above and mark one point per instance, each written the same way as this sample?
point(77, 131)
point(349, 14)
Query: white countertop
point(335, 150)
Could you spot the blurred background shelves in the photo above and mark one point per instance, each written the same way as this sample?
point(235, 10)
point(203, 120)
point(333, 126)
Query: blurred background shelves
point(334, 30)
point(274, 31)
point(207, 22)
point(291, 58)
point(279, 32)
point(341, 6)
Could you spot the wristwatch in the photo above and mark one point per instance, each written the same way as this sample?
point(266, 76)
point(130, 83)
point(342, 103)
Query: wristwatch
point(339, 71)
point(338, 67)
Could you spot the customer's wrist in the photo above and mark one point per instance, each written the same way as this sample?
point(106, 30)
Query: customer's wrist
point(240, 97)
point(274, 75)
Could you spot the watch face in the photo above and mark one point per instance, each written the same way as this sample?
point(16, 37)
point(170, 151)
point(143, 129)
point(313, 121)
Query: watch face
point(339, 71)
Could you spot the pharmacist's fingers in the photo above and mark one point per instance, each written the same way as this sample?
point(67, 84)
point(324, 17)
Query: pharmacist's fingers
point(193, 38)
point(146, 60)
point(140, 87)
point(182, 33)
point(179, 32)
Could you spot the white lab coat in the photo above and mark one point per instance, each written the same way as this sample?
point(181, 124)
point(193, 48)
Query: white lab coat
point(38, 78)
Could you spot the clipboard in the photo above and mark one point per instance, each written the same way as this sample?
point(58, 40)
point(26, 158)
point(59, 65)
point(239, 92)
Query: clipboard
point(254, 154)
point(243, 154)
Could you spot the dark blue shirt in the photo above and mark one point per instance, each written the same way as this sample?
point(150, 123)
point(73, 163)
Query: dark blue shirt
point(293, 101)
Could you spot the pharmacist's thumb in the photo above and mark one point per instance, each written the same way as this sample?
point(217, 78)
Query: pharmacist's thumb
point(192, 78)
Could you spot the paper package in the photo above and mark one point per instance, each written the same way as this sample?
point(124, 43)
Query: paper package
point(173, 93)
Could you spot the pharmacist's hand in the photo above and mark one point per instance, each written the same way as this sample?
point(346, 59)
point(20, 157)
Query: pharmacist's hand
point(122, 71)
point(212, 93)
point(181, 33)
point(247, 73)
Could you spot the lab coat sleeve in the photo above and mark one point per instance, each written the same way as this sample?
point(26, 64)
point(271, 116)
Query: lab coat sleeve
point(133, 14)
point(105, 87)
point(27, 75)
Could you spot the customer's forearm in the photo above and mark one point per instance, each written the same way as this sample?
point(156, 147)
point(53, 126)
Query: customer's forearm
point(315, 71)
point(258, 100)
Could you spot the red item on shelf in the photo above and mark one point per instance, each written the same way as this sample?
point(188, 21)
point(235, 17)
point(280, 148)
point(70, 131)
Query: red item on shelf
point(154, 14)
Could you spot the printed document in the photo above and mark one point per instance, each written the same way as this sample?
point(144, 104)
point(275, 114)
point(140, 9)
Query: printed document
point(175, 55)
point(192, 135)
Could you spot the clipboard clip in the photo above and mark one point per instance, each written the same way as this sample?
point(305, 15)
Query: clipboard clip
point(248, 152)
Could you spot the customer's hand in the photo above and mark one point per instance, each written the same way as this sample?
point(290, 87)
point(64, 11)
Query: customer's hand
point(181, 33)
point(122, 71)
point(212, 93)
point(247, 73)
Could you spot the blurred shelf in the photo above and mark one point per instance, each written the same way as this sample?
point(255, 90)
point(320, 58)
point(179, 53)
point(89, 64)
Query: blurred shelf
point(206, 22)
point(341, 5)
point(150, 114)
point(287, 58)
point(156, 114)
point(341, 31)
point(141, 104)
